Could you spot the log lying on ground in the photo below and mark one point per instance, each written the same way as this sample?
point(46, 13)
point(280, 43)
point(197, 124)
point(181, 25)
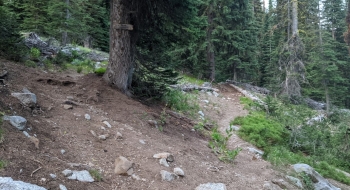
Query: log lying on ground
point(250, 87)
point(191, 87)
point(249, 95)
point(34, 41)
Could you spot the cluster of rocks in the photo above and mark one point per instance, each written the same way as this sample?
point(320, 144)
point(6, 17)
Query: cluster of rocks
point(164, 159)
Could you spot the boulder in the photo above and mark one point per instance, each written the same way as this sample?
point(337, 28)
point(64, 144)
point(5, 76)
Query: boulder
point(211, 186)
point(167, 176)
point(16, 121)
point(123, 166)
point(7, 183)
point(26, 98)
point(320, 183)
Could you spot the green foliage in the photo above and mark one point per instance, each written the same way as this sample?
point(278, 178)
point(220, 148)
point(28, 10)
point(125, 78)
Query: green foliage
point(218, 144)
point(3, 164)
point(34, 53)
point(62, 58)
point(261, 131)
point(192, 80)
point(11, 46)
point(307, 181)
point(181, 102)
point(96, 175)
point(100, 71)
point(79, 69)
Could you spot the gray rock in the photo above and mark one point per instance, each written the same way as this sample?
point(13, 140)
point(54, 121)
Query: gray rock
point(209, 93)
point(107, 124)
point(27, 98)
point(83, 176)
point(16, 121)
point(281, 183)
point(53, 176)
point(67, 106)
point(163, 162)
point(211, 186)
point(62, 187)
point(87, 117)
point(167, 176)
point(201, 113)
point(161, 155)
point(233, 127)
point(26, 134)
point(270, 186)
point(295, 181)
point(206, 101)
point(255, 151)
point(179, 172)
point(215, 94)
point(206, 84)
point(321, 183)
point(67, 172)
point(123, 166)
point(62, 151)
point(7, 183)
point(142, 141)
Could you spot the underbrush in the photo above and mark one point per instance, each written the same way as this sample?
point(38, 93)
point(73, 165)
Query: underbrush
point(181, 102)
point(288, 135)
point(190, 79)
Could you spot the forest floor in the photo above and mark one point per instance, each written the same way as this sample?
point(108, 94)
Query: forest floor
point(60, 129)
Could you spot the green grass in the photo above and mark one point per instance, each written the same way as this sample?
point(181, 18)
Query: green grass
point(100, 71)
point(96, 175)
point(182, 102)
point(282, 132)
point(3, 164)
point(190, 79)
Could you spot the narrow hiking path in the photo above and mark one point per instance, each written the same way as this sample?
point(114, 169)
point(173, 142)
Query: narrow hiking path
point(253, 171)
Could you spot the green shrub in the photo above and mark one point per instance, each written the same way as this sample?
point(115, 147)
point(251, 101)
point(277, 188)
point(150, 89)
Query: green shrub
point(100, 71)
point(96, 175)
point(34, 53)
point(182, 102)
point(62, 58)
point(79, 69)
point(261, 131)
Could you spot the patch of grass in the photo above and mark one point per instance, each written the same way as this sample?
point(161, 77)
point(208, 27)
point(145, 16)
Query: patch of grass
point(3, 164)
point(260, 131)
point(100, 71)
point(96, 175)
point(191, 79)
point(218, 144)
point(79, 69)
point(181, 102)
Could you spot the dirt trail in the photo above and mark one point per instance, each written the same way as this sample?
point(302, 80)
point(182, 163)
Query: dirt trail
point(60, 129)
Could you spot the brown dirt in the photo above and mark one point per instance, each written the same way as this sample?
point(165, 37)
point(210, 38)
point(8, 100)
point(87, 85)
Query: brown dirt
point(58, 129)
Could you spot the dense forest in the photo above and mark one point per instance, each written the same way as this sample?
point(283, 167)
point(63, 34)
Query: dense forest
point(292, 47)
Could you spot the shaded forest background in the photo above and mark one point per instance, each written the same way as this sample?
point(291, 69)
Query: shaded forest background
point(242, 40)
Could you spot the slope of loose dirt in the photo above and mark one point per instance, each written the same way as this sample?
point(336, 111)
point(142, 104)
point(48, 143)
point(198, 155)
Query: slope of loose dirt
point(60, 129)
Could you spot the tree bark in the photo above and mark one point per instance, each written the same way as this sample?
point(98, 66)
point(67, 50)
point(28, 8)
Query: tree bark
point(120, 60)
point(210, 47)
point(65, 33)
point(294, 18)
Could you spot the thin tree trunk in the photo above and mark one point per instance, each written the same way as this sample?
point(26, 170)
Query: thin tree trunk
point(288, 28)
point(210, 47)
point(234, 72)
point(294, 18)
point(65, 34)
point(120, 60)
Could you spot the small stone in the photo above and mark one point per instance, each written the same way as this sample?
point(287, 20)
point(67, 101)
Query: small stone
point(53, 176)
point(161, 155)
point(281, 183)
point(206, 101)
point(107, 124)
point(87, 117)
point(67, 172)
point(201, 113)
point(142, 141)
point(93, 133)
point(163, 162)
point(215, 94)
point(119, 135)
point(135, 177)
point(26, 134)
point(67, 106)
point(103, 128)
point(122, 166)
point(35, 141)
point(62, 187)
point(83, 176)
point(167, 176)
point(170, 158)
point(16, 121)
point(295, 181)
point(209, 93)
point(211, 186)
point(62, 151)
point(103, 137)
point(179, 172)
point(233, 127)
point(153, 123)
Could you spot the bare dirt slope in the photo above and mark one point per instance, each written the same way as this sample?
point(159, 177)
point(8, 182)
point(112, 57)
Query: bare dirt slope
point(59, 129)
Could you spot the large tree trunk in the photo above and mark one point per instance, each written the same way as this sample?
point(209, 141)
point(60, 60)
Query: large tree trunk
point(120, 60)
